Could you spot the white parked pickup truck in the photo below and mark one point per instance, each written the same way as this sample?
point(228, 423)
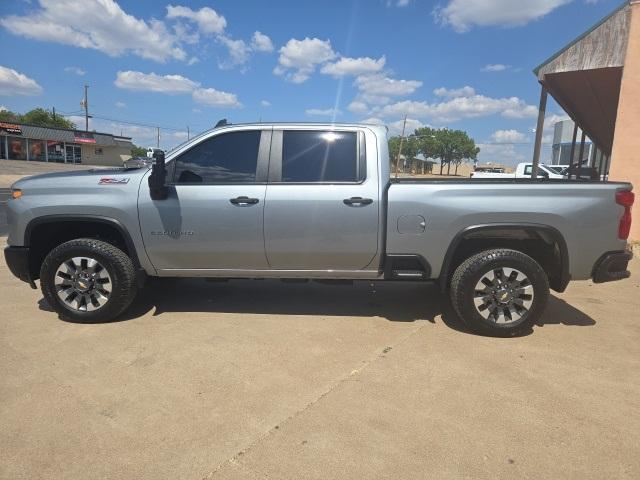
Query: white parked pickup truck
point(523, 170)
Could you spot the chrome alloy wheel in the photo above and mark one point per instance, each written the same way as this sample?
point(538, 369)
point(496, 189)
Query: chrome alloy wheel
point(83, 284)
point(503, 295)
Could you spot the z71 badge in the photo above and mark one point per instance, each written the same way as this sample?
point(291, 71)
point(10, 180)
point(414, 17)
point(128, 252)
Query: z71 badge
point(113, 180)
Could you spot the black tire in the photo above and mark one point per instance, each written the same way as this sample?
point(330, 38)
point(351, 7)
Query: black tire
point(468, 275)
point(120, 270)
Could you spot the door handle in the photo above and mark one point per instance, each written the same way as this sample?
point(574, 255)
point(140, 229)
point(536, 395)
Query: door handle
point(244, 201)
point(357, 201)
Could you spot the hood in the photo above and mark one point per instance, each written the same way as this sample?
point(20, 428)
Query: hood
point(82, 178)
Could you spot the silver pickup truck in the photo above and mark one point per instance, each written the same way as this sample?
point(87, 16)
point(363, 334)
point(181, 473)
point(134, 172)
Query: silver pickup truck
point(312, 201)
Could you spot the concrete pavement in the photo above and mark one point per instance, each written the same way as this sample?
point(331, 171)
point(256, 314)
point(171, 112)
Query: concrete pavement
point(260, 379)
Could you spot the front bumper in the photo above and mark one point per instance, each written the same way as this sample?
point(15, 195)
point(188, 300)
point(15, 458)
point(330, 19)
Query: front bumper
point(17, 259)
point(612, 266)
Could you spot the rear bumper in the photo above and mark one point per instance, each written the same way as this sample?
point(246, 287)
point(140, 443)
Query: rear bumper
point(17, 259)
point(612, 266)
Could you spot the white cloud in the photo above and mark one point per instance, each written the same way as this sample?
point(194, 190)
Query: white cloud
point(461, 107)
point(193, 61)
point(508, 136)
point(358, 107)
point(395, 128)
point(151, 82)
point(3, 108)
point(261, 42)
point(140, 135)
point(121, 105)
point(299, 58)
point(462, 15)
point(327, 112)
point(175, 84)
point(373, 120)
point(265, 103)
point(208, 20)
point(16, 83)
point(354, 66)
point(75, 70)
point(398, 3)
point(238, 52)
point(97, 24)
point(378, 88)
point(211, 97)
point(521, 111)
point(494, 67)
point(503, 154)
point(466, 91)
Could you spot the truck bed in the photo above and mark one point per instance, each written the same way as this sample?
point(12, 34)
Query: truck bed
point(583, 212)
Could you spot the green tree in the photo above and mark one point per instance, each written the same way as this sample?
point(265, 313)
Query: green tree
point(452, 146)
point(9, 116)
point(138, 151)
point(46, 118)
point(37, 116)
point(409, 149)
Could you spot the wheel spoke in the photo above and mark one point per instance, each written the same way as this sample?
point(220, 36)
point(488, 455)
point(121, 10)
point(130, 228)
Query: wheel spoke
point(503, 295)
point(83, 284)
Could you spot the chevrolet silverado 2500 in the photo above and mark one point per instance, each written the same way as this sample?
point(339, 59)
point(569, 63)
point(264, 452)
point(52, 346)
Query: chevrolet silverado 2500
point(312, 201)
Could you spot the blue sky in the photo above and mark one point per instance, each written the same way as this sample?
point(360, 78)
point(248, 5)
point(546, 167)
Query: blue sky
point(452, 63)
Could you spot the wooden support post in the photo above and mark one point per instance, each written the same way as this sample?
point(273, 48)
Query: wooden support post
point(582, 139)
point(573, 148)
point(539, 127)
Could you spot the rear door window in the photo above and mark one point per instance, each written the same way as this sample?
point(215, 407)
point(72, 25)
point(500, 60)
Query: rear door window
point(321, 157)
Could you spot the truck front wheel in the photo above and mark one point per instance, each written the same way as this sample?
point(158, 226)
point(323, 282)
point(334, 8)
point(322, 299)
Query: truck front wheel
point(87, 280)
point(499, 292)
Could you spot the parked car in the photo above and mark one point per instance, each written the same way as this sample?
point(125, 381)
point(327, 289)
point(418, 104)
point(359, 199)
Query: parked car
point(311, 201)
point(523, 170)
point(138, 162)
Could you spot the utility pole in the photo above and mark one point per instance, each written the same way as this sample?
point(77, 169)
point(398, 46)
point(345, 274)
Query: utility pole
point(158, 143)
point(404, 124)
point(188, 136)
point(85, 104)
point(53, 114)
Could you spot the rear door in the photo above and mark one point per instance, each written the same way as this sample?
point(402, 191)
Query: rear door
point(321, 206)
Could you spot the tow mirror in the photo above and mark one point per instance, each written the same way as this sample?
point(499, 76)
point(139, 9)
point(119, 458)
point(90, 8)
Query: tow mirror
point(157, 186)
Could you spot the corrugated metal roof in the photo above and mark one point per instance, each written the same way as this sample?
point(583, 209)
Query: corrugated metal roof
point(45, 133)
point(61, 135)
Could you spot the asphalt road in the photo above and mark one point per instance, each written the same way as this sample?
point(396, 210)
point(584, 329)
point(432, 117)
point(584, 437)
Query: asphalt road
point(260, 379)
point(4, 196)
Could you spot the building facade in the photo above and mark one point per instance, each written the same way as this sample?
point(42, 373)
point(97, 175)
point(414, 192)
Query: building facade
point(43, 144)
point(562, 144)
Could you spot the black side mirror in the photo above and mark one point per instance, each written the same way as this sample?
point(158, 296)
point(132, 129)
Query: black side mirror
point(157, 187)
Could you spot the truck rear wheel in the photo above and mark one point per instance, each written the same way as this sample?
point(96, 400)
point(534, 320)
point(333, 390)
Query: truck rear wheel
point(499, 292)
point(87, 280)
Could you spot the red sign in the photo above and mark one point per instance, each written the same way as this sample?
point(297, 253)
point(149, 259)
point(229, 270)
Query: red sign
point(11, 128)
point(83, 137)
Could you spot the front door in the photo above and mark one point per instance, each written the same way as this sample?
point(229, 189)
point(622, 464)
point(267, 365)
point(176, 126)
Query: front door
point(213, 217)
point(321, 207)
point(73, 154)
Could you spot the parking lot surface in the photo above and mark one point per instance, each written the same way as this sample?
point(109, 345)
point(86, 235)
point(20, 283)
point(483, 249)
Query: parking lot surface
point(260, 379)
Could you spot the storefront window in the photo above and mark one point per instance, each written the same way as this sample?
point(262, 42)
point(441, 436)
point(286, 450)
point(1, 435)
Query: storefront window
point(37, 151)
point(55, 151)
point(17, 148)
point(3, 147)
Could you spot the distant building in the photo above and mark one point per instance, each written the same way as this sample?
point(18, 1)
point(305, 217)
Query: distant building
point(43, 144)
point(562, 140)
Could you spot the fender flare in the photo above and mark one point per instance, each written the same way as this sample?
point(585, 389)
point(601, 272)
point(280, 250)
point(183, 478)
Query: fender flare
point(112, 222)
point(552, 232)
